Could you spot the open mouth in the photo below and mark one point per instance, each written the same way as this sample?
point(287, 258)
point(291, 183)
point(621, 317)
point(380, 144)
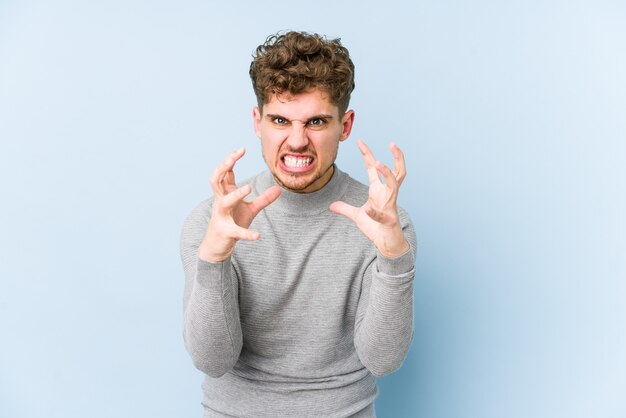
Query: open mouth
point(295, 164)
point(291, 161)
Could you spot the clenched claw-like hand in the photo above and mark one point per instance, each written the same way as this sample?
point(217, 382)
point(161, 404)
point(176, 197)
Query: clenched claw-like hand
point(378, 218)
point(231, 214)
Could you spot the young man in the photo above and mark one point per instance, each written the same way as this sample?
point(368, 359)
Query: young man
point(290, 308)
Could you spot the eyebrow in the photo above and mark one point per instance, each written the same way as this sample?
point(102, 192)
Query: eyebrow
point(322, 116)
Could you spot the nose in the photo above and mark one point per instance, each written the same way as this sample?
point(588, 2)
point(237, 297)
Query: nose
point(298, 139)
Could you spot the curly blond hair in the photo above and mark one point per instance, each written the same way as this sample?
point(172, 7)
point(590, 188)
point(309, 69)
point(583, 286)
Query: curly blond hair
point(295, 62)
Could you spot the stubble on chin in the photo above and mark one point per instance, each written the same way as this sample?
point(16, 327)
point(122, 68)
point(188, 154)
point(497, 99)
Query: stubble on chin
point(299, 185)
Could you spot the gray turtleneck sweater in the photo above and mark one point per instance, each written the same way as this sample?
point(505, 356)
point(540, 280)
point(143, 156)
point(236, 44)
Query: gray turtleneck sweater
point(298, 323)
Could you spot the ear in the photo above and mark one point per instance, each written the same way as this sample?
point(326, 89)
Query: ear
point(347, 121)
point(256, 116)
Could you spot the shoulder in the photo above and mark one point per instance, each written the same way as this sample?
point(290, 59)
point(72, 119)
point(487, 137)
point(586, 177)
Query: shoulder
point(353, 192)
point(201, 212)
point(196, 222)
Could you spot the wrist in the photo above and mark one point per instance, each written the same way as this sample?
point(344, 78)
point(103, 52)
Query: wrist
point(393, 244)
point(207, 252)
point(394, 250)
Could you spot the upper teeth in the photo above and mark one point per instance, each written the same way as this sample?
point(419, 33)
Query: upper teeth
point(291, 161)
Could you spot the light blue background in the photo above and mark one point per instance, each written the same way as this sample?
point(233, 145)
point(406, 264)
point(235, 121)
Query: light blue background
point(512, 116)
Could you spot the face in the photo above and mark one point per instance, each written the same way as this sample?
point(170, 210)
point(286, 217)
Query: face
point(300, 135)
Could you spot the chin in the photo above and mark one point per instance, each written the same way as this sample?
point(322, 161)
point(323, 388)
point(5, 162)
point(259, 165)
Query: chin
point(300, 183)
point(295, 184)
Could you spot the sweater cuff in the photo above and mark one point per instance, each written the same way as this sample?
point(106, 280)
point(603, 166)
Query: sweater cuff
point(210, 274)
point(396, 266)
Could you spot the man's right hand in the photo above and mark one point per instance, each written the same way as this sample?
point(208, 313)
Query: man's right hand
point(231, 215)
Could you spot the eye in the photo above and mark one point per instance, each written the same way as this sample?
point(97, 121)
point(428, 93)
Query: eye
point(317, 122)
point(279, 120)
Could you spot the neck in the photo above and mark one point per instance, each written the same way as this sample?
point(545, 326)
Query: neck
point(306, 203)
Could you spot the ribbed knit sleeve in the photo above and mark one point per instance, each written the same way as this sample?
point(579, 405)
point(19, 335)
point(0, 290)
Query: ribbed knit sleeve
point(384, 321)
point(212, 328)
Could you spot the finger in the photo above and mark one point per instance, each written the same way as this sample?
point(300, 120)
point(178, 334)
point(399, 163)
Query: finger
point(342, 208)
point(399, 167)
point(367, 153)
point(230, 200)
point(234, 156)
point(227, 180)
point(372, 174)
point(390, 179)
point(223, 179)
point(264, 199)
point(239, 233)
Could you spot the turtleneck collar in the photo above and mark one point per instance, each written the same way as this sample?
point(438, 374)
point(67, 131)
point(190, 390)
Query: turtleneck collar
point(305, 203)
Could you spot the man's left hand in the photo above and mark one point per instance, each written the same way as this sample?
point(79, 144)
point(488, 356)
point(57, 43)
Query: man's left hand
point(378, 218)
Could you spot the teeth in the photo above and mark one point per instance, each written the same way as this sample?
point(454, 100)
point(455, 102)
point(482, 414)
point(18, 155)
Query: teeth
point(291, 161)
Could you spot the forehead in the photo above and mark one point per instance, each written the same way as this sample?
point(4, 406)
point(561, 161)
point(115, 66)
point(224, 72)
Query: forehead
point(300, 106)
